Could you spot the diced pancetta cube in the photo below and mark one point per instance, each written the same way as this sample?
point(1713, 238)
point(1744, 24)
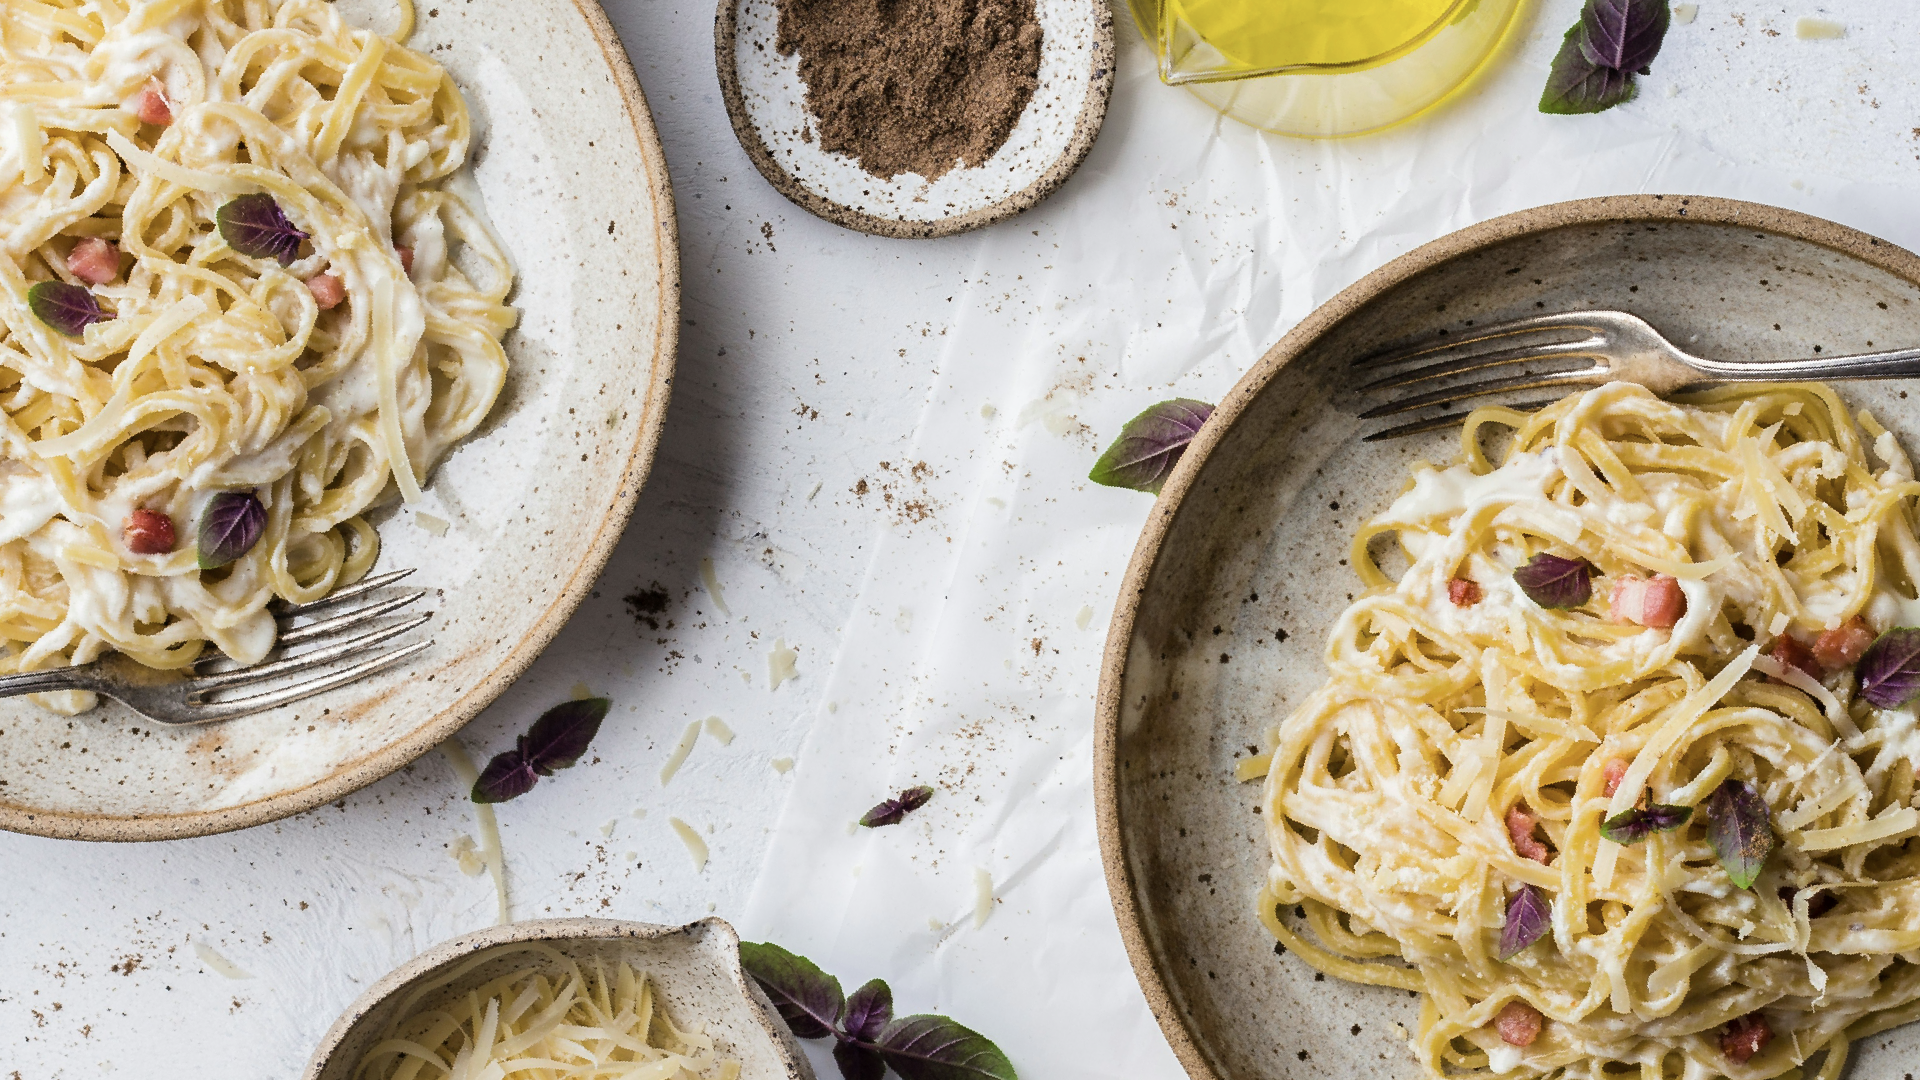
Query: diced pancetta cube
point(1656, 602)
point(1792, 652)
point(151, 105)
point(1518, 1023)
point(1464, 592)
point(1840, 648)
point(94, 261)
point(1745, 1036)
point(1613, 772)
point(328, 290)
point(1520, 823)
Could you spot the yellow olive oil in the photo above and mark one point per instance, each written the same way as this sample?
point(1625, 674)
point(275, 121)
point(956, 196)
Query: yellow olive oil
point(1271, 35)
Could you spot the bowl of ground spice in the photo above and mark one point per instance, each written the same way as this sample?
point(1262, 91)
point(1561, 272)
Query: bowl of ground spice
point(915, 118)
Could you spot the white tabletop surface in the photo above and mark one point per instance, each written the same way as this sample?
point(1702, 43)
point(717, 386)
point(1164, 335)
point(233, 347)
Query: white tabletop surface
point(948, 621)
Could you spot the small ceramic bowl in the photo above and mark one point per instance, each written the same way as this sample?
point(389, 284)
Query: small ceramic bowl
point(766, 102)
point(695, 971)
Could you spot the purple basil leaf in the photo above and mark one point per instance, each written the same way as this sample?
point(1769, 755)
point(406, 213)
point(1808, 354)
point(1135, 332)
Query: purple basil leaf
point(809, 999)
point(507, 776)
point(561, 735)
point(1578, 85)
point(229, 527)
point(1149, 445)
point(891, 811)
point(1740, 828)
point(868, 1011)
point(935, 1048)
point(255, 225)
point(1554, 582)
point(858, 1062)
point(1890, 668)
point(69, 309)
point(1624, 35)
point(1640, 822)
point(1529, 915)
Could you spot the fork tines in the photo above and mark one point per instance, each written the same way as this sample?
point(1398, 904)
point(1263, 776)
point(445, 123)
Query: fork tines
point(1566, 337)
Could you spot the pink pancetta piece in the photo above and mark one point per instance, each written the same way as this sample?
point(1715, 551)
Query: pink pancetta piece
point(151, 106)
point(1841, 647)
point(328, 290)
point(1655, 602)
point(94, 261)
point(1464, 592)
point(1520, 823)
point(1518, 1023)
point(1613, 772)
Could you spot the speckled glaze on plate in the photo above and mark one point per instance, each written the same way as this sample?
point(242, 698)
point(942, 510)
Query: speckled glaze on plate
point(566, 158)
point(1239, 575)
point(695, 971)
point(765, 101)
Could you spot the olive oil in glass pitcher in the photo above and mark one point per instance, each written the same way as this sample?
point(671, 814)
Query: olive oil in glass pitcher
point(1323, 67)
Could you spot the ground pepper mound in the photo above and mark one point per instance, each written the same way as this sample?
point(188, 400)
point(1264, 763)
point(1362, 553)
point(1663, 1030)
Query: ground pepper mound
point(915, 86)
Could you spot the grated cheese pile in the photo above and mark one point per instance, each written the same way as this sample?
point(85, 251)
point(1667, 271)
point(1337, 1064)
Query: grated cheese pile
point(557, 1023)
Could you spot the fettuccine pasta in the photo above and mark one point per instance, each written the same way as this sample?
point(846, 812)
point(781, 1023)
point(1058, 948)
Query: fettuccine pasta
point(1743, 548)
point(233, 268)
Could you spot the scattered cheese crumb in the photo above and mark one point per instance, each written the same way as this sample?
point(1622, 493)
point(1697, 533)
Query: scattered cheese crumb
point(1084, 617)
point(631, 856)
point(988, 411)
point(640, 813)
point(982, 897)
point(747, 677)
point(833, 706)
point(815, 491)
point(718, 728)
point(935, 925)
point(490, 849)
point(903, 622)
point(607, 829)
point(1673, 90)
point(1684, 13)
point(467, 854)
point(581, 692)
point(780, 664)
point(680, 752)
point(1807, 28)
point(996, 502)
point(1779, 624)
point(434, 525)
point(712, 582)
point(220, 964)
point(689, 836)
point(852, 827)
point(783, 765)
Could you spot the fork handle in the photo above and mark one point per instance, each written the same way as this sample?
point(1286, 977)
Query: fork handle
point(1877, 365)
point(41, 682)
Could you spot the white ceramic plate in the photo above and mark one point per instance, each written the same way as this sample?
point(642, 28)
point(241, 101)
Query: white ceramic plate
point(567, 161)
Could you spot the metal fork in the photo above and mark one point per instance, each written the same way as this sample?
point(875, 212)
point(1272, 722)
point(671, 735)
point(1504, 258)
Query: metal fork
point(1617, 346)
point(169, 697)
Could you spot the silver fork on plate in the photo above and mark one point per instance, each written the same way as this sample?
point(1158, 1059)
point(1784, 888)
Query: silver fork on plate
point(1617, 347)
point(168, 697)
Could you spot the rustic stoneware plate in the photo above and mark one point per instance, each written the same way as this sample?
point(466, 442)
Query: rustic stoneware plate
point(567, 161)
point(765, 100)
point(695, 971)
point(1240, 573)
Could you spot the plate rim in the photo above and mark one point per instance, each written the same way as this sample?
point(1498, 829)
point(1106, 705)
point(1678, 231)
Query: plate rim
point(633, 473)
point(1086, 128)
point(1188, 1045)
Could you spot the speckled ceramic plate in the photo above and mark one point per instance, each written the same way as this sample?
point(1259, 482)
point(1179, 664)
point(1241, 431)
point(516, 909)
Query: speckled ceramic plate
point(695, 971)
point(566, 158)
point(1240, 573)
point(765, 100)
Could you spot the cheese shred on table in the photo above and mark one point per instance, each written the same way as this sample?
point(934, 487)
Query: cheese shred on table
point(1392, 791)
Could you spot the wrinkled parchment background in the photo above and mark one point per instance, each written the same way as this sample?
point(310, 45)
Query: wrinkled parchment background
point(881, 445)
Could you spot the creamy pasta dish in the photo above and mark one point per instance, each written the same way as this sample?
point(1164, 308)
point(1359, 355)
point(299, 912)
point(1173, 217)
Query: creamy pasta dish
point(242, 303)
point(1618, 773)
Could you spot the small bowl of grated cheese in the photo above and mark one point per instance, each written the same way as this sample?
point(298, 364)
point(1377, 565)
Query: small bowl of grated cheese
point(571, 998)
